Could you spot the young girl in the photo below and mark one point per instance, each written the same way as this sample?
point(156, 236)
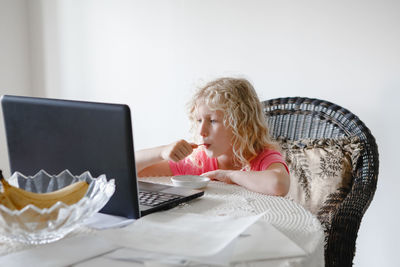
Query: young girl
point(233, 144)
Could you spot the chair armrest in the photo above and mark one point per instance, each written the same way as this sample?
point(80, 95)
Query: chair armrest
point(346, 220)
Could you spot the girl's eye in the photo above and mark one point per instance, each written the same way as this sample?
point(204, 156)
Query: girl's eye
point(213, 121)
point(198, 121)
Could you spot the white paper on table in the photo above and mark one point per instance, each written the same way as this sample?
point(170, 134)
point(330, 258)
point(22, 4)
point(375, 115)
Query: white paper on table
point(222, 258)
point(64, 252)
point(183, 234)
point(105, 262)
point(263, 241)
point(102, 221)
point(147, 258)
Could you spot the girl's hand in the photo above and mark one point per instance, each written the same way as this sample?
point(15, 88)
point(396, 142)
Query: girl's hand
point(219, 175)
point(177, 150)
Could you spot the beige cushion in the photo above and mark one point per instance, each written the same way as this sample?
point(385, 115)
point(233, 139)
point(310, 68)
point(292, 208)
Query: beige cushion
point(320, 171)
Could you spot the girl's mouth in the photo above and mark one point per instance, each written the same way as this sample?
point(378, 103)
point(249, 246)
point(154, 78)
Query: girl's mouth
point(205, 145)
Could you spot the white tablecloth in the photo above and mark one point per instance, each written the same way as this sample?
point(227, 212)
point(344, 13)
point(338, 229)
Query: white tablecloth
point(221, 199)
point(290, 218)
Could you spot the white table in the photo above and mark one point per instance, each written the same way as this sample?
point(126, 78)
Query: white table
point(221, 199)
point(287, 216)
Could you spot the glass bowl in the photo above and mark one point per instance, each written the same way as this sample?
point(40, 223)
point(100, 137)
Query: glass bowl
point(33, 225)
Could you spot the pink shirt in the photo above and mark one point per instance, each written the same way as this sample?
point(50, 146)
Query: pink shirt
point(259, 163)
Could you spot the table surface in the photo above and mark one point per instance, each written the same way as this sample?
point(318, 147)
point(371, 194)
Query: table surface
point(222, 199)
point(300, 225)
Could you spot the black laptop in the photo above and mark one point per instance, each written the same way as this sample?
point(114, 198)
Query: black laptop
point(55, 135)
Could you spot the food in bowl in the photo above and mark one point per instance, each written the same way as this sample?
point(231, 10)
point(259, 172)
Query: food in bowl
point(16, 198)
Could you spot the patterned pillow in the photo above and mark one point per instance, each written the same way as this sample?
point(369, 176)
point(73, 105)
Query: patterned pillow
point(321, 172)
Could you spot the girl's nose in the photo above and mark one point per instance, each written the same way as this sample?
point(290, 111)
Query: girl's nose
point(203, 130)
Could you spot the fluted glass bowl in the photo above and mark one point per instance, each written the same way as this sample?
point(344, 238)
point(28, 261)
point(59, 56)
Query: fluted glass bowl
point(33, 225)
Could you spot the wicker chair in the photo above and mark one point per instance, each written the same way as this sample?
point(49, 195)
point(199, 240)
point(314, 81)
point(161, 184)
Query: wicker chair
point(297, 118)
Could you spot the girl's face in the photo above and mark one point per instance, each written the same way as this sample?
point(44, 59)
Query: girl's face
point(215, 136)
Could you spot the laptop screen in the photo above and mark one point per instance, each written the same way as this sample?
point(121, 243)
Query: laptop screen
point(55, 135)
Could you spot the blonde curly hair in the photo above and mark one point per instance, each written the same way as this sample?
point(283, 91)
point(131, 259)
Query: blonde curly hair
point(243, 114)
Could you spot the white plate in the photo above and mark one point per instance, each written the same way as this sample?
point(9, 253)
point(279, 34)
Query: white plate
point(190, 181)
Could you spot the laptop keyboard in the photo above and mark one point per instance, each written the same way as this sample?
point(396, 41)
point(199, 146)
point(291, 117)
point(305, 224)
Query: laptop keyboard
point(153, 198)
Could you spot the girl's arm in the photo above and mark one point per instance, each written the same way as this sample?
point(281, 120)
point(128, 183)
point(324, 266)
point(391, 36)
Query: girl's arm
point(154, 161)
point(273, 181)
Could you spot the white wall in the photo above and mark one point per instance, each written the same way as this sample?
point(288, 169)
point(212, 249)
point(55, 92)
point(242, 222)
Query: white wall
point(152, 54)
point(14, 60)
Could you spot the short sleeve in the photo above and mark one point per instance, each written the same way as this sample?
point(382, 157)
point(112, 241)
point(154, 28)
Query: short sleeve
point(266, 158)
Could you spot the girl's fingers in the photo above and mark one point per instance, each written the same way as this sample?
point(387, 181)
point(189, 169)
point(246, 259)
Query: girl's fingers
point(184, 151)
point(180, 155)
point(187, 149)
point(180, 150)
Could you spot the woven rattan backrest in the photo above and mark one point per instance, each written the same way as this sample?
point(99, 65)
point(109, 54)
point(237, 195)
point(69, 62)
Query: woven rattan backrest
point(298, 118)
